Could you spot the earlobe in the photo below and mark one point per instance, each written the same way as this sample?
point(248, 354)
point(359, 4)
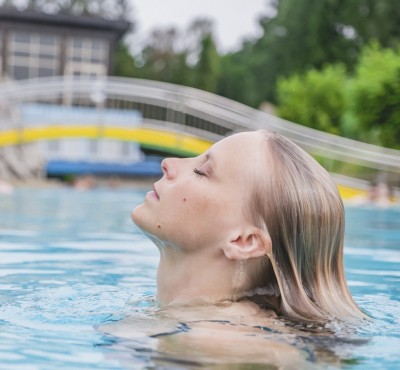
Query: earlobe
point(252, 244)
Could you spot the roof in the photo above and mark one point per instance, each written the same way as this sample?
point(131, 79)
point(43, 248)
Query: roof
point(119, 27)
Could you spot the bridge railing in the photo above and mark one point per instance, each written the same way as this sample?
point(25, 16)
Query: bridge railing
point(197, 112)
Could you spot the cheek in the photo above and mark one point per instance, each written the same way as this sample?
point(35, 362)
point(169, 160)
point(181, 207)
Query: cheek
point(201, 214)
point(190, 219)
point(196, 205)
point(182, 210)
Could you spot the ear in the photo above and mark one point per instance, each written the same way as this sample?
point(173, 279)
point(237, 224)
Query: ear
point(250, 243)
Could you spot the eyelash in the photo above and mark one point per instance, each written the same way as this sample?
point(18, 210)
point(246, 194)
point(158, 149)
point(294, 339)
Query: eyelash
point(199, 172)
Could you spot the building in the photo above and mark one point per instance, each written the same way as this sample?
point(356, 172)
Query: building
point(34, 45)
point(39, 45)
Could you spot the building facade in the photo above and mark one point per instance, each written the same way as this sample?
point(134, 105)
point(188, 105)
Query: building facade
point(41, 45)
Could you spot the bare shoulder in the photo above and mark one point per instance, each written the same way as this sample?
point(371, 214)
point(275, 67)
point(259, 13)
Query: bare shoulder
point(238, 333)
point(242, 334)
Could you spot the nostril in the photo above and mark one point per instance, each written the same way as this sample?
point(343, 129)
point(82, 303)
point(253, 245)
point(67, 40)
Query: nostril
point(164, 167)
point(168, 167)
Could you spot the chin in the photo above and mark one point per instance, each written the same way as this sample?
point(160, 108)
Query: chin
point(135, 215)
point(141, 220)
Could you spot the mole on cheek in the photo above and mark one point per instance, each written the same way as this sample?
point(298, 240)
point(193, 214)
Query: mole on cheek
point(184, 199)
point(158, 226)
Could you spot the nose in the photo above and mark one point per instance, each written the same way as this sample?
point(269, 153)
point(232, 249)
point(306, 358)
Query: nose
point(169, 167)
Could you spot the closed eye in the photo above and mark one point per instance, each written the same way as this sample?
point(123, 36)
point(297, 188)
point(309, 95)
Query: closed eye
point(199, 172)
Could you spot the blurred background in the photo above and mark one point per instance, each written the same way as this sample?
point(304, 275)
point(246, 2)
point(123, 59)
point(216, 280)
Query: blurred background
point(95, 93)
point(86, 85)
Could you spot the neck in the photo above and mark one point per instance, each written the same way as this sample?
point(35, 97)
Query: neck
point(195, 278)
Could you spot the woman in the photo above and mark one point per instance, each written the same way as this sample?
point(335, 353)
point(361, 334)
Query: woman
point(256, 222)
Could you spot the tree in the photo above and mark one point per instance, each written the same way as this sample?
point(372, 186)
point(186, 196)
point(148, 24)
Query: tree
point(124, 63)
point(237, 79)
point(306, 34)
point(161, 59)
point(373, 20)
point(192, 38)
point(186, 58)
point(208, 67)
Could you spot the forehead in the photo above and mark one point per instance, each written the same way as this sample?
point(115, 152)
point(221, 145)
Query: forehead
point(240, 152)
point(241, 141)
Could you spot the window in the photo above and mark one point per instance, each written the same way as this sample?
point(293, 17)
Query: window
point(33, 55)
point(20, 72)
point(86, 56)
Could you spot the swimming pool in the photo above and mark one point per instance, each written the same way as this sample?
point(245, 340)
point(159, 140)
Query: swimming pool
point(73, 261)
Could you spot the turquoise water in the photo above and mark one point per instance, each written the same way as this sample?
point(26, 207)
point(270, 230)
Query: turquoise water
point(72, 261)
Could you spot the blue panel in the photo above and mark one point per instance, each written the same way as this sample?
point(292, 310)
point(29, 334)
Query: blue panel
point(144, 168)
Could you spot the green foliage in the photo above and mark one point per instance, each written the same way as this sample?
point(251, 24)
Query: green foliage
point(307, 34)
point(365, 106)
point(314, 99)
point(159, 59)
point(237, 79)
point(375, 96)
point(372, 20)
point(124, 63)
point(304, 34)
point(166, 55)
point(208, 67)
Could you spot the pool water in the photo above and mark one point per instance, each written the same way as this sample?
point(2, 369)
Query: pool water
point(72, 262)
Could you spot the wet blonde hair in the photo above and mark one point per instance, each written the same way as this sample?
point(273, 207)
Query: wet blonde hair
point(298, 204)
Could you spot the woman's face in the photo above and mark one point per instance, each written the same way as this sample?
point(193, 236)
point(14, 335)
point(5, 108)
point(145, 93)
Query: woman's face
point(200, 202)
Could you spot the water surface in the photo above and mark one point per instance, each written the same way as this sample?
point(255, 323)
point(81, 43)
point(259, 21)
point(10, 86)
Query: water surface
point(72, 262)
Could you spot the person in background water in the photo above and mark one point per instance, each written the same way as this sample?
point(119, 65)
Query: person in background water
point(378, 195)
point(6, 188)
point(254, 222)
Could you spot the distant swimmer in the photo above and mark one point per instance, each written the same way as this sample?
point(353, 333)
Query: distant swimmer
point(6, 188)
point(84, 183)
point(378, 196)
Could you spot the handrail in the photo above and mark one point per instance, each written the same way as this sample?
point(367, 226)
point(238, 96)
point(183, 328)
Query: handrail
point(228, 114)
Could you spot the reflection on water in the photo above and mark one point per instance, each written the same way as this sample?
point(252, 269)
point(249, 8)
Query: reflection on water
point(78, 283)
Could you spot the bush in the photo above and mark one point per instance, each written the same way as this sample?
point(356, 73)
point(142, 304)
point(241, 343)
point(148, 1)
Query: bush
point(374, 96)
point(315, 99)
point(364, 107)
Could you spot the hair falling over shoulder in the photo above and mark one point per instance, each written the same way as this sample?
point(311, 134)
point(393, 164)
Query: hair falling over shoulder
point(298, 204)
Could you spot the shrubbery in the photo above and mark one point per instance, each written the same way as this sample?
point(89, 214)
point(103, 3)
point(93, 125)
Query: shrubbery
point(365, 105)
point(315, 99)
point(374, 99)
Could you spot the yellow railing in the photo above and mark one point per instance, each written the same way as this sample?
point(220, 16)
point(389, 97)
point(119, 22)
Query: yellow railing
point(172, 142)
